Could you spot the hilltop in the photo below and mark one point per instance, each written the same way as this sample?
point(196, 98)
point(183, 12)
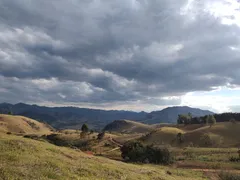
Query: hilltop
point(127, 126)
point(23, 125)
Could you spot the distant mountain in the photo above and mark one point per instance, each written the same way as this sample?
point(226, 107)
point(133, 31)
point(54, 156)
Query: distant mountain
point(73, 117)
point(70, 117)
point(170, 114)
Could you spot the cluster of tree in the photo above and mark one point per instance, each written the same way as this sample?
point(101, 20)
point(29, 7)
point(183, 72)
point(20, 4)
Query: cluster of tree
point(227, 117)
point(208, 119)
point(137, 152)
point(188, 119)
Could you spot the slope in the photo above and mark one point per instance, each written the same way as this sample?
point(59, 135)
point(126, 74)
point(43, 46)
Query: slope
point(20, 124)
point(219, 135)
point(40, 160)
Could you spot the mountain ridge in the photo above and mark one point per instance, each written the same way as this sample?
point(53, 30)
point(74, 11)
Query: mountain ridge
point(74, 117)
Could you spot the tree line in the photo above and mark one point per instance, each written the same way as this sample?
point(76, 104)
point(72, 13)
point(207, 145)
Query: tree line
point(208, 119)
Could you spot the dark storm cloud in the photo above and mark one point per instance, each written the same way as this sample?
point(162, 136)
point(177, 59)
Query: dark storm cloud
point(113, 51)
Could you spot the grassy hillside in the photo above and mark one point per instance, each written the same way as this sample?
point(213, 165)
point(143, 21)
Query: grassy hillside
point(33, 159)
point(127, 126)
point(164, 135)
point(23, 125)
point(219, 135)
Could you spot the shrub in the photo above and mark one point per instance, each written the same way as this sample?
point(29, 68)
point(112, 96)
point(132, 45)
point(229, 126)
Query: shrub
point(137, 152)
point(234, 159)
point(228, 176)
point(31, 136)
point(83, 135)
point(56, 139)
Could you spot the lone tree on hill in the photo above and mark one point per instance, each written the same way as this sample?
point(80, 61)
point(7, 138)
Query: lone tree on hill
point(211, 120)
point(101, 135)
point(85, 128)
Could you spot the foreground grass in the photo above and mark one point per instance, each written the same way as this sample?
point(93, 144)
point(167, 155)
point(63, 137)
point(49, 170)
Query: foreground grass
point(28, 159)
point(207, 158)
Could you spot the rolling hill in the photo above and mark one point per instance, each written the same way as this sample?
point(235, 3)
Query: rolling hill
point(219, 135)
point(127, 126)
point(23, 125)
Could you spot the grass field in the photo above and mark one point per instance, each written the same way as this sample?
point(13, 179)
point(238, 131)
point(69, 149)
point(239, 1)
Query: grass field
point(28, 159)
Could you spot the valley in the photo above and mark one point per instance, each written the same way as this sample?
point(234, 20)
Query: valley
point(37, 150)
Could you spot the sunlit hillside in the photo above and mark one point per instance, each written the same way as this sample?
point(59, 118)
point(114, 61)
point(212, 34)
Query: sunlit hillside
point(22, 125)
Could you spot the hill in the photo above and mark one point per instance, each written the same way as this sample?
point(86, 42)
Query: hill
point(33, 159)
point(127, 126)
point(23, 125)
point(170, 114)
point(219, 135)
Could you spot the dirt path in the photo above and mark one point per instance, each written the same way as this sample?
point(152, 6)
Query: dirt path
point(115, 142)
point(113, 149)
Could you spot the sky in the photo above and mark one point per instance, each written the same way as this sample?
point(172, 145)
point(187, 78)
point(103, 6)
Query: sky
point(139, 55)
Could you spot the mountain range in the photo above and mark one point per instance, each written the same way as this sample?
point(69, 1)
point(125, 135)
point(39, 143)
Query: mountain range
point(73, 117)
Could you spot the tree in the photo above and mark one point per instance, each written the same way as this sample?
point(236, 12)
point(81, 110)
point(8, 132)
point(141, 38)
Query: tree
point(84, 128)
point(180, 138)
point(211, 120)
point(184, 119)
point(101, 135)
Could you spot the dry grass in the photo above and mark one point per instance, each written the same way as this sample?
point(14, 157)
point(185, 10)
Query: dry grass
point(23, 125)
point(26, 159)
point(221, 134)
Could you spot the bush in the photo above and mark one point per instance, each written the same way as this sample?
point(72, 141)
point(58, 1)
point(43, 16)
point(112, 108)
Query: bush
point(137, 152)
point(32, 136)
point(234, 159)
point(229, 176)
point(57, 140)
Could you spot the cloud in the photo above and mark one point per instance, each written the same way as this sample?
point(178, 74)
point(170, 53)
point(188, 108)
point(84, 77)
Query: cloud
point(117, 53)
